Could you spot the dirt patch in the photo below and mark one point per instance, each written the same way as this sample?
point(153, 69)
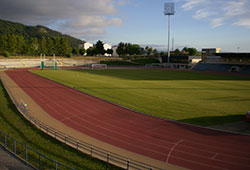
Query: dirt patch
point(239, 126)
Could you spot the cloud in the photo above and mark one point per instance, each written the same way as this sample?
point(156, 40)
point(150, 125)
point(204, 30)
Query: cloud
point(190, 4)
point(216, 22)
point(220, 12)
point(243, 22)
point(203, 13)
point(235, 8)
point(75, 17)
point(122, 2)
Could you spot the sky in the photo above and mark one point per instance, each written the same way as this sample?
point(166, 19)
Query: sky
point(200, 24)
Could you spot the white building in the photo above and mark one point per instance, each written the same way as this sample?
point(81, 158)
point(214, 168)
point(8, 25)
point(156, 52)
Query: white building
point(114, 48)
point(86, 46)
point(106, 47)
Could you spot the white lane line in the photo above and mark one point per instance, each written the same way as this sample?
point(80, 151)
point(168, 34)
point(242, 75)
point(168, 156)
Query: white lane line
point(214, 156)
point(177, 143)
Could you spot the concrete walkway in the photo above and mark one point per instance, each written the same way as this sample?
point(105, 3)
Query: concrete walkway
point(10, 162)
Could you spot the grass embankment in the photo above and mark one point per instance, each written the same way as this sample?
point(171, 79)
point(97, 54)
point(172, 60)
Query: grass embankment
point(13, 124)
point(192, 97)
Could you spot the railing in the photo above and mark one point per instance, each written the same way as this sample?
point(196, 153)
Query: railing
point(84, 147)
point(28, 155)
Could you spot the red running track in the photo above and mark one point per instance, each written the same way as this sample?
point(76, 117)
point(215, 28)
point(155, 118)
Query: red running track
point(183, 145)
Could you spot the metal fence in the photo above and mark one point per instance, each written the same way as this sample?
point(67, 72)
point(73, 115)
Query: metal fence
point(28, 155)
point(82, 146)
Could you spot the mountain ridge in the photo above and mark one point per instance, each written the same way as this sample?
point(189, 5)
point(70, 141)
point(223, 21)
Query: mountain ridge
point(38, 31)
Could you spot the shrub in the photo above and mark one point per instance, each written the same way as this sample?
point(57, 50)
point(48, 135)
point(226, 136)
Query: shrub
point(70, 55)
point(6, 54)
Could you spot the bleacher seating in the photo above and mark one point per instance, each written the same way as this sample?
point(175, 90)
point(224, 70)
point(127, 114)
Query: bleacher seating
point(246, 70)
point(221, 67)
point(212, 67)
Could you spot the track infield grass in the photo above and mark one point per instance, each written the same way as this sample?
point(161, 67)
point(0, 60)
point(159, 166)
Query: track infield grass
point(192, 97)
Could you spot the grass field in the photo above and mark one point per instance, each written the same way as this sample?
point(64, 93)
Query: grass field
point(13, 124)
point(192, 97)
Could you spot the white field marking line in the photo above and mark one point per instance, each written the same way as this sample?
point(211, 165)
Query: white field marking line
point(68, 118)
point(214, 156)
point(77, 116)
point(198, 163)
point(173, 149)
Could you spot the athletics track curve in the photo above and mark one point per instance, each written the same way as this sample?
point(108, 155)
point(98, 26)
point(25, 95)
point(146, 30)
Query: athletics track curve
point(171, 142)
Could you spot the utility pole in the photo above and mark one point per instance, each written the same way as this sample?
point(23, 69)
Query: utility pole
point(169, 10)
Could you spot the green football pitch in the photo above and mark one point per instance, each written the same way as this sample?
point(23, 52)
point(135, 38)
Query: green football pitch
point(192, 97)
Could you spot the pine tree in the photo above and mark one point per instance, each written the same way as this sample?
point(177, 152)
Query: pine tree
point(20, 44)
point(43, 46)
point(50, 46)
point(11, 43)
point(64, 48)
point(34, 46)
point(3, 43)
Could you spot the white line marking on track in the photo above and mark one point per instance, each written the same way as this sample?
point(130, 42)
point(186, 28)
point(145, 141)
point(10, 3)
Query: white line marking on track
point(173, 149)
point(214, 156)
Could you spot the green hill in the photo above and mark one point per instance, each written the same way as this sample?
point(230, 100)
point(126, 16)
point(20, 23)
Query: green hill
point(8, 27)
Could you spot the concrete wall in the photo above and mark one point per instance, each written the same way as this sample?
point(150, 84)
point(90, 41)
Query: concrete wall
point(25, 63)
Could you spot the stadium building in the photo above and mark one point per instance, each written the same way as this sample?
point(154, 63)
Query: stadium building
point(214, 60)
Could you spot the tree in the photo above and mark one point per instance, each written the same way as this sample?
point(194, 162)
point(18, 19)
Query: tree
point(3, 43)
point(20, 44)
point(192, 51)
point(34, 46)
point(136, 49)
point(64, 48)
point(148, 50)
point(91, 51)
point(99, 48)
point(56, 42)
point(142, 51)
point(177, 52)
point(51, 49)
point(6, 54)
point(189, 51)
point(120, 49)
point(82, 51)
point(185, 49)
point(43, 46)
point(26, 49)
point(11, 43)
point(75, 51)
point(110, 51)
point(129, 49)
point(155, 52)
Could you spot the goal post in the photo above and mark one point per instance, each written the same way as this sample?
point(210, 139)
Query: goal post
point(99, 66)
point(47, 64)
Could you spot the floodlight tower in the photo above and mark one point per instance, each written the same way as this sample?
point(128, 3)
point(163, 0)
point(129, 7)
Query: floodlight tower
point(169, 10)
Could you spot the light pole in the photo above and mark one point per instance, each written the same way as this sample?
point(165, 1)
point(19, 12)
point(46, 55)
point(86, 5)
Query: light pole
point(169, 10)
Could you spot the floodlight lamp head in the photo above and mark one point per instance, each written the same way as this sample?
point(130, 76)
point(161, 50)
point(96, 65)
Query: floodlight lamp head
point(169, 8)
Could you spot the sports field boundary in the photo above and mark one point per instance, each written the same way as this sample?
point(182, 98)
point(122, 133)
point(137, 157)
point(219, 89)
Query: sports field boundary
point(149, 115)
point(84, 147)
point(188, 141)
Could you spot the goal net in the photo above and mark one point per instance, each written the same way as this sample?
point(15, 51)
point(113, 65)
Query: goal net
point(49, 64)
point(99, 66)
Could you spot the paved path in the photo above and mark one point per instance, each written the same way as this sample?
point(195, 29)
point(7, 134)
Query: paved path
point(9, 162)
point(166, 141)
